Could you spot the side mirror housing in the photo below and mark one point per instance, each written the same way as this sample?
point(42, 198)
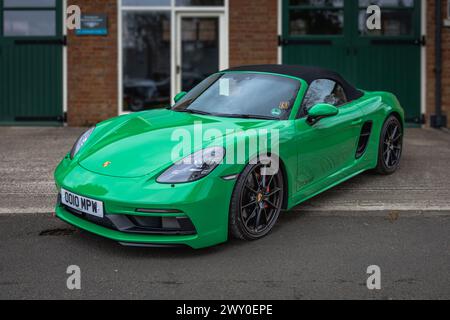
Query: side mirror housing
point(320, 111)
point(180, 96)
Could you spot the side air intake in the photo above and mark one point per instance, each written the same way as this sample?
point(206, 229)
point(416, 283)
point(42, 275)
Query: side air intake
point(364, 139)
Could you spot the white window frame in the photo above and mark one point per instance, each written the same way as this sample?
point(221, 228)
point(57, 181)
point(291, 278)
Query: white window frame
point(223, 59)
point(176, 12)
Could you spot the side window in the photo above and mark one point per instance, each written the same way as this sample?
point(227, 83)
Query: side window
point(323, 91)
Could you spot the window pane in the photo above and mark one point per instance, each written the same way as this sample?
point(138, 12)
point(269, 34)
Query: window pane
point(393, 23)
point(146, 60)
point(316, 22)
point(29, 23)
point(186, 3)
point(146, 3)
point(199, 50)
point(28, 3)
point(324, 91)
point(322, 3)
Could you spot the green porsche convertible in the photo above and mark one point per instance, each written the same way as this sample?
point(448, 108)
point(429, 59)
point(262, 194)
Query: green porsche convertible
point(227, 157)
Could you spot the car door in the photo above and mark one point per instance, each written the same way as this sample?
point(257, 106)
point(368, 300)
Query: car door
point(326, 149)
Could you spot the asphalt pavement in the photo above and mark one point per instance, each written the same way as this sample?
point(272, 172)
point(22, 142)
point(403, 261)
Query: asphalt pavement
point(306, 257)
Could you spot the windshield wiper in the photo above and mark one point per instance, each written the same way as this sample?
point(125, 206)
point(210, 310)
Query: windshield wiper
point(195, 112)
point(249, 116)
point(225, 115)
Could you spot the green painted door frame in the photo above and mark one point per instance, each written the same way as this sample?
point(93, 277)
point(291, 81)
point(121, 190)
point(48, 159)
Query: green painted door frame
point(31, 77)
point(371, 62)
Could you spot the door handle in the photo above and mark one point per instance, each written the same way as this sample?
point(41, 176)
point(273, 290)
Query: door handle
point(357, 122)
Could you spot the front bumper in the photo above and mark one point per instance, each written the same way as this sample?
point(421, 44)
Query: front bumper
point(129, 238)
point(204, 203)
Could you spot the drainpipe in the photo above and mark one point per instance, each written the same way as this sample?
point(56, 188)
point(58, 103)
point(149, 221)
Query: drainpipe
point(438, 120)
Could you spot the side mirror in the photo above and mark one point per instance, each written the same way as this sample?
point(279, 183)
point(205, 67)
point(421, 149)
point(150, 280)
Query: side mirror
point(180, 96)
point(320, 111)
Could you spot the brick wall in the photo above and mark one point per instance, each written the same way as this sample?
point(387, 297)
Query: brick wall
point(92, 69)
point(430, 108)
point(253, 32)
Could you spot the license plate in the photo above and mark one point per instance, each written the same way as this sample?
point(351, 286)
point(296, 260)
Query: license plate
point(82, 204)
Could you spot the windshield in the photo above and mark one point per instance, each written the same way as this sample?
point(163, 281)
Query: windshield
point(242, 95)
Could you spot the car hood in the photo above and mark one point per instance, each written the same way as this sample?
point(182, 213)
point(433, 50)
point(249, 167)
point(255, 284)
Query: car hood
point(141, 144)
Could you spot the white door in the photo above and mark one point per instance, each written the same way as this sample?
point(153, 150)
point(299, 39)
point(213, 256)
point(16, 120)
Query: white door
point(200, 48)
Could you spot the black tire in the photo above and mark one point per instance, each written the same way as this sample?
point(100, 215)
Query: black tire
point(390, 147)
point(255, 205)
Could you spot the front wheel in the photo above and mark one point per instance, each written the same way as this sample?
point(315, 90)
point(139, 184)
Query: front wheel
point(256, 202)
point(391, 146)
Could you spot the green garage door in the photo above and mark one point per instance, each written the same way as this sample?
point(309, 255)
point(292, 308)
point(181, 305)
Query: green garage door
point(31, 62)
point(333, 34)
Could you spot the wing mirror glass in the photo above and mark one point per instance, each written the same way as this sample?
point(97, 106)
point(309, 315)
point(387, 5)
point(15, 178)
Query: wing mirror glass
point(180, 96)
point(320, 111)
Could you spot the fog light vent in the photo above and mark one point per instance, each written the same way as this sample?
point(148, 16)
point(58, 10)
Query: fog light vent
point(158, 211)
point(161, 225)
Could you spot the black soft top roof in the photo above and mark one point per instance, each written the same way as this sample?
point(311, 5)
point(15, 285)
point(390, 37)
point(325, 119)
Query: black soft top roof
point(309, 74)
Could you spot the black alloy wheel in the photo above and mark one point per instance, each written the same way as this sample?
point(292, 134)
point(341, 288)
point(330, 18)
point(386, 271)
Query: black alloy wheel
point(391, 146)
point(256, 203)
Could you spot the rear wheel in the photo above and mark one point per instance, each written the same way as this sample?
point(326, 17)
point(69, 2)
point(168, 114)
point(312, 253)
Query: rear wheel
point(256, 202)
point(391, 146)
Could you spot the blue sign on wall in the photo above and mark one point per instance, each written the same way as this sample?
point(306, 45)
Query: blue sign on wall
point(93, 24)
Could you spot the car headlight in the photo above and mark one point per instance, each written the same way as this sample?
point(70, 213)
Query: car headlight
point(80, 142)
point(194, 167)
